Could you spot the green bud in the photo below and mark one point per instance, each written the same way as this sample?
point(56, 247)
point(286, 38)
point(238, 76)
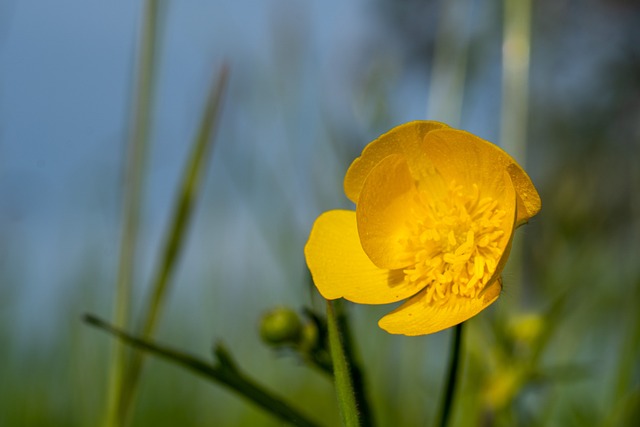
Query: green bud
point(281, 326)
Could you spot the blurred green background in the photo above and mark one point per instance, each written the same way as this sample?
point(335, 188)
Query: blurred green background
point(310, 84)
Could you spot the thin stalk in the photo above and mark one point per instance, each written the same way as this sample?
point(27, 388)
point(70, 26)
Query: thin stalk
point(224, 372)
point(183, 208)
point(342, 372)
point(133, 182)
point(452, 376)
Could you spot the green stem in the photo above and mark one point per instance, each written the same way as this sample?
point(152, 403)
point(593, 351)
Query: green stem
point(357, 374)
point(225, 372)
point(452, 376)
point(341, 372)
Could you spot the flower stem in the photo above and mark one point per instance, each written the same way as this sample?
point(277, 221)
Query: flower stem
point(341, 372)
point(452, 376)
point(357, 373)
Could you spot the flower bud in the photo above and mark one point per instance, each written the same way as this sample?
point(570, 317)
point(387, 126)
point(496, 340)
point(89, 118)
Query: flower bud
point(281, 326)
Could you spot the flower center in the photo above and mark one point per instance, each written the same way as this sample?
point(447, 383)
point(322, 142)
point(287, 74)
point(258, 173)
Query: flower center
point(456, 244)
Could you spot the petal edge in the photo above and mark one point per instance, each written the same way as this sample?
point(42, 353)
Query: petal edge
point(402, 139)
point(416, 318)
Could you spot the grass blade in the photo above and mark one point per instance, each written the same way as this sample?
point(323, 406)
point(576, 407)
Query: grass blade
point(183, 208)
point(133, 180)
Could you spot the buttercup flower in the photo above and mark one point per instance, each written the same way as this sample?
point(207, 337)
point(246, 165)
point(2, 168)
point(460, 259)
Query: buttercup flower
point(436, 209)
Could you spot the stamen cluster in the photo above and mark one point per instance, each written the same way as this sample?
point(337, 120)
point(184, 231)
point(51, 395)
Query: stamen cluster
point(455, 244)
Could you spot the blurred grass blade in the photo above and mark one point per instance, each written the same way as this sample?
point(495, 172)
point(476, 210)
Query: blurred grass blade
point(176, 234)
point(133, 183)
point(449, 70)
point(341, 372)
point(516, 47)
point(226, 373)
point(625, 395)
point(184, 204)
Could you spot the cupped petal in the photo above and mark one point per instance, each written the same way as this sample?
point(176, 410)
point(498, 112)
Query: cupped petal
point(341, 269)
point(403, 139)
point(468, 159)
point(507, 202)
point(529, 202)
point(417, 317)
point(386, 210)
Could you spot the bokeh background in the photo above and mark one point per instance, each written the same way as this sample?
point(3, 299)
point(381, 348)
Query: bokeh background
point(311, 82)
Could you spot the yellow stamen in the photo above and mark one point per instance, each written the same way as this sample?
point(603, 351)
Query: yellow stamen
point(457, 245)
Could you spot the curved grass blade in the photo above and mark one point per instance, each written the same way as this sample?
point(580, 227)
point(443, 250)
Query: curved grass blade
point(176, 234)
point(225, 372)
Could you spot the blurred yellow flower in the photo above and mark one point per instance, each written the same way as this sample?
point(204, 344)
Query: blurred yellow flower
point(526, 328)
point(502, 387)
point(435, 213)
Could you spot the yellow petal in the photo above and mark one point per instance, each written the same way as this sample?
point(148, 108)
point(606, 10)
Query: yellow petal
point(529, 203)
point(468, 159)
point(340, 268)
point(416, 317)
point(508, 203)
point(402, 139)
point(385, 211)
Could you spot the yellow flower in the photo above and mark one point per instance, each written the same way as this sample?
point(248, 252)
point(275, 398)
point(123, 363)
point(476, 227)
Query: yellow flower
point(435, 213)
